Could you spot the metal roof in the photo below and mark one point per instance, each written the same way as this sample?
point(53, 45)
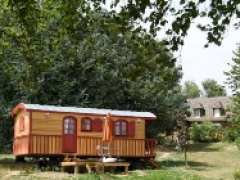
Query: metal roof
point(88, 110)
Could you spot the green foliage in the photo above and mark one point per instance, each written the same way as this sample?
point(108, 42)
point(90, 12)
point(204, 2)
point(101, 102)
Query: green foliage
point(232, 133)
point(236, 175)
point(237, 141)
point(173, 17)
point(212, 88)
point(206, 132)
point(191, 90)
point(87, 60)
point(233, 77)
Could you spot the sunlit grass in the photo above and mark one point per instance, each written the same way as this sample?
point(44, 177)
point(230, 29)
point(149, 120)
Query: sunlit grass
point(205, 161)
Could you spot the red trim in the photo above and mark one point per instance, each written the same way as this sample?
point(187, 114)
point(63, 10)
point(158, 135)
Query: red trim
point(75, 133)
point(97, 125)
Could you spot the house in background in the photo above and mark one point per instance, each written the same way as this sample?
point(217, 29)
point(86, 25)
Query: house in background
point(214, 109)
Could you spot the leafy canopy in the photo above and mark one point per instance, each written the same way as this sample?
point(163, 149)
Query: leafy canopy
point(93, 62)
point(233, 77)
point(191, 89)
point(212, 88)
point(172, 17)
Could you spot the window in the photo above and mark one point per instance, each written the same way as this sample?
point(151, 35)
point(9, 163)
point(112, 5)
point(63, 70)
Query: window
point(21, 123)
point(120, 128)
point(69, 125)
point(86, 124)
point(218, 112)
point(198, 112)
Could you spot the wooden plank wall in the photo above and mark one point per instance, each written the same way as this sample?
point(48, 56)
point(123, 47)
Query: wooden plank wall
point(128, 147)
point(50, 123)
point(87, 146)
point(47, 129)
point(119, 147)
point(41, 144)
point(26, 130)
point(20, 145)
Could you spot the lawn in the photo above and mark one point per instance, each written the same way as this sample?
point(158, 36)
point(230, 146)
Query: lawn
point(209, 161)
point(206, 161)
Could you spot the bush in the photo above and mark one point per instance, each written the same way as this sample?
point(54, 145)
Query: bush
point(237, 141)
point(206, 132)
point(236, 175)
point(232, 133)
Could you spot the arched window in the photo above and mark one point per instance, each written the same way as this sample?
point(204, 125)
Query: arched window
point(120, 128)
point(69, 125)
point(86, 124)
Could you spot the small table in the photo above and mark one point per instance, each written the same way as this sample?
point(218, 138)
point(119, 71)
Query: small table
point(74, 164)
point(99, 166)
point(113, 164)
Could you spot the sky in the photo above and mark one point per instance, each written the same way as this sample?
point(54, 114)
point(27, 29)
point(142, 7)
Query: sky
point(199, 63)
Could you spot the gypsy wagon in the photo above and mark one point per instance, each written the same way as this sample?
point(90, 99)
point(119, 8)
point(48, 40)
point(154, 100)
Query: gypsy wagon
point(53, 131)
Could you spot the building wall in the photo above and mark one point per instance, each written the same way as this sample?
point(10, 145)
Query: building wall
point(48, 123)
point(26, 123)
point(21, 135)
point(47, 129)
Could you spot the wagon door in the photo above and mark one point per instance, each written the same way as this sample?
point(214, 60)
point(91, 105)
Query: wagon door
point(69, 135)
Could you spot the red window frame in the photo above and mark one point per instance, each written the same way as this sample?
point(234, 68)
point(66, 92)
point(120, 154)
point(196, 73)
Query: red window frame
point(86, 124)
point(121, 128)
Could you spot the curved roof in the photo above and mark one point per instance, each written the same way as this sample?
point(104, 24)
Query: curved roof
point(51, 108)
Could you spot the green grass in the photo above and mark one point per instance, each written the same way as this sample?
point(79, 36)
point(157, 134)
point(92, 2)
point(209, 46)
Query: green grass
point(205, 161)
point(208, 160)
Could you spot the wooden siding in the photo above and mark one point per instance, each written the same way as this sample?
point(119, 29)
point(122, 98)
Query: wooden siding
point(21, 145)
point(47, 123)
point(128, 147)
point(139, 129)
point(41, 144)
point(22, 132)
point(87, 146)
point(46, 137)
point(44, 123)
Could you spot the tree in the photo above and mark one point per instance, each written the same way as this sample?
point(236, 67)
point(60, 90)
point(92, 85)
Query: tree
point(175, 17)
point(191, 90)
point(90, 64)
point(233, 80)
point(212, 88)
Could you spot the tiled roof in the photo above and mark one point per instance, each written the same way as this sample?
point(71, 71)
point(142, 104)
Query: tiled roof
point(210, 102)
point(96, 111)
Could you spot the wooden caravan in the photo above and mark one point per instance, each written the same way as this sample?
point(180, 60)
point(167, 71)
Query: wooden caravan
point(45, 131)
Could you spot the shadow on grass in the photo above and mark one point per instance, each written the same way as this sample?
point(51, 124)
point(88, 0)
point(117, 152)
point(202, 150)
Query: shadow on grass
point(199, 166)
point(9, 163)
point(203, 147)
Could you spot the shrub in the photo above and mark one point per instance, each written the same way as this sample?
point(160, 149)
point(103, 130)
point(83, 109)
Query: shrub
point(236, 175)
point(206, 132)
point(232, 133)
point(237, 141)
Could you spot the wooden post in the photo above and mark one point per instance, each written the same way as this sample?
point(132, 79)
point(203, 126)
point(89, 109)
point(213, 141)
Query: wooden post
point(62, 169)
point(88, 168)
point(185, 155)
point(126, 170)
point(76, 168)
